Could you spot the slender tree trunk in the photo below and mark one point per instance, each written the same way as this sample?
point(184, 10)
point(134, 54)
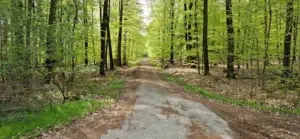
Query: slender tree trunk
point(125, 50)
point(295, 37)
point(196, 34)
point(267, 25)
point(230, 32)
point(119, 50)
point(277, 36)
point(111, 62)
point(103, 35)
point(172, 32)
point(86, 30)
point(50, 42)
point(93, 40)
point(189, 34)
point(185, 25)
point(2, 32)
point(73, 33)
point(205, 38)
point(288, 38)
point(106, 51)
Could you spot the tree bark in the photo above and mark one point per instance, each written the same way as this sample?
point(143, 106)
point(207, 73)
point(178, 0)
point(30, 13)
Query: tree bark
point(185, 25)
point(111, 59)
point(86, 36)
point(50, 41)
point(73, 33)
point(119, 50)
point(172, 32)
point(124, 50)
point(205, 38)
point(267, 25)
point(230, 34)
point(287, 39)
point(103, 35)
point(189, 32)
point(93, 40)
point(295, 37)
point(196, 34)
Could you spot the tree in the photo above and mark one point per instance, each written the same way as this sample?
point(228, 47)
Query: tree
point(86, 37)
point(103, 35)
point(50, 42)
point(172, 32)
point(75, 20)
point(288, 38)
point(205, 34)
point(230, 35)
point(196, 31)
point(267, 31)
point(119, 50)
point(189, 32)
point(111, 62)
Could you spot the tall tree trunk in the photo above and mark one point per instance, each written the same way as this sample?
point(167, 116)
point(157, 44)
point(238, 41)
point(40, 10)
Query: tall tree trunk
point(288, 38)
point(106, 51)
point(205, 33)
point(111, 59)
point(196, 33)
point(103, 35)
point(119, 50)
point(86, 36)
point(185, 25)
point(189, 34)
point(230, 33)
point(295, 37)
point(172, 31)
point(2, 44)
point(125, 49)
point(50, 42)
point(267, 25)
point(93, 40)
point(73, 36)
point(277, 36)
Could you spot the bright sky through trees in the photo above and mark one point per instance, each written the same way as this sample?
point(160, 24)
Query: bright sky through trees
point(146, 10)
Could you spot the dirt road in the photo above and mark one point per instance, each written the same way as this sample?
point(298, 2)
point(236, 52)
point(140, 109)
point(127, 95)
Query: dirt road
point(161, 114)
point(154, 109)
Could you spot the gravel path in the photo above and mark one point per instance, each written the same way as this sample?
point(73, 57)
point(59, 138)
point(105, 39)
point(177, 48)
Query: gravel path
point(159, 114)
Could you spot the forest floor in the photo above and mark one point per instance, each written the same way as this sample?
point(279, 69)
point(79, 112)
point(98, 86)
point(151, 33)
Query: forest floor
point(247, 86)
point(152, 108)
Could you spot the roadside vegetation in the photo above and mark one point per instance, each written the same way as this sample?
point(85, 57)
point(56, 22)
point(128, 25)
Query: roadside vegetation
point(87, 95)
point(197, 90)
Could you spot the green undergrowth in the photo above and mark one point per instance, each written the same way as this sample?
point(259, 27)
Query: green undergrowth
point(215, 96)
point(28, 124)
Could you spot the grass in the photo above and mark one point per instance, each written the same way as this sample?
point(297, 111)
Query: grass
point(31, 123)
point(110, 91)
point(245, 103)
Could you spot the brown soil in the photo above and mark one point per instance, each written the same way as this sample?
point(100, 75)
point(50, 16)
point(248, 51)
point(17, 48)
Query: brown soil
point(197, 132)
point(168, 111)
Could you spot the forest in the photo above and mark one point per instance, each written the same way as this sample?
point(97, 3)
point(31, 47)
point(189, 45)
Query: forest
point(255, 42)
point(79, 60)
